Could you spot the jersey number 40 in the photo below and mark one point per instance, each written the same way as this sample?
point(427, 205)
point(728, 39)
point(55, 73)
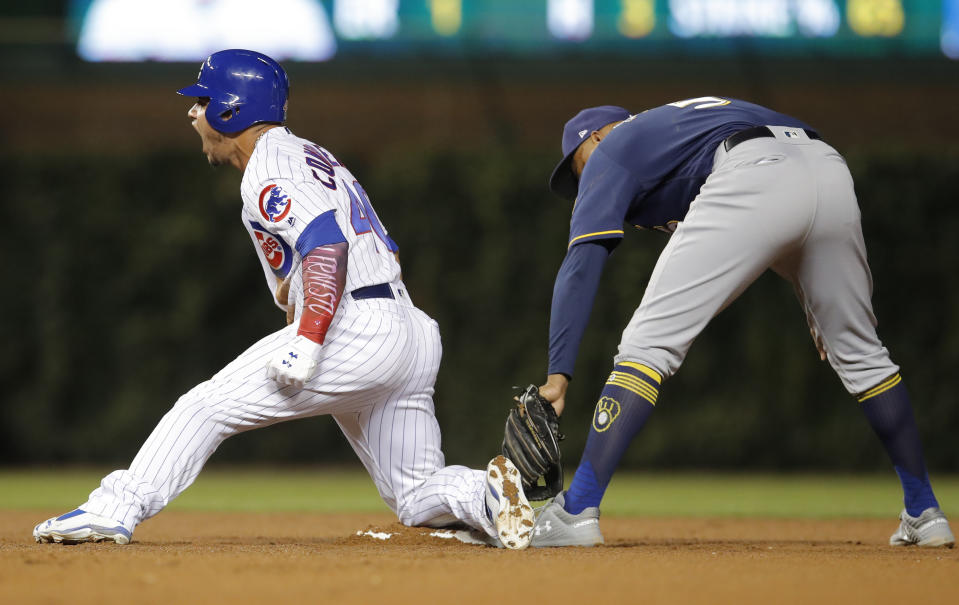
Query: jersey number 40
point(363, 218)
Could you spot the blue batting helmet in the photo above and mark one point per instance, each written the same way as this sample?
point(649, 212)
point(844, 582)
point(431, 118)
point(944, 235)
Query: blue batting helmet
point(244, 87)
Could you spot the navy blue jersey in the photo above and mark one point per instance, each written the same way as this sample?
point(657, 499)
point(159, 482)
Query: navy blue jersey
point(650, 167)
point(645, 172)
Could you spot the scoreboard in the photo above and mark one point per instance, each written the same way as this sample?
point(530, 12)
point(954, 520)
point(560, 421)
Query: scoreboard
point(319, 30)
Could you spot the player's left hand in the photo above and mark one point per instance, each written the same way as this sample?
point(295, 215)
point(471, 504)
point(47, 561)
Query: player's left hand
point(283, 299)
point(295, 363)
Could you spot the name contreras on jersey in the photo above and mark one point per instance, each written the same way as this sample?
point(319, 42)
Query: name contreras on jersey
point(317, 157)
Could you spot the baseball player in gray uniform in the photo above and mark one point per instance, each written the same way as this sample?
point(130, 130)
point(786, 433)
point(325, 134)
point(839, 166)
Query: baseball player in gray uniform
point(355, 347)
point(741, 189)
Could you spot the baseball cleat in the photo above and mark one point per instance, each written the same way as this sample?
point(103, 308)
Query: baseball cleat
point(80, 526)
point(506, 504)
point(556, 527)
point(928, 529)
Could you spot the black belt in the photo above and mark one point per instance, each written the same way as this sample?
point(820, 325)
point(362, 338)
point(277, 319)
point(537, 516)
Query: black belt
point(377, 291)
point(759, 131)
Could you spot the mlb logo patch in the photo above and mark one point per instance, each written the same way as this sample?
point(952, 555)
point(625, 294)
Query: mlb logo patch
point(791, 134)
point(275, 204)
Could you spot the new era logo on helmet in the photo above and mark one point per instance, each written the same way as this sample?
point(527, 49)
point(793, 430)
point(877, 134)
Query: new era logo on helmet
point(575, 132)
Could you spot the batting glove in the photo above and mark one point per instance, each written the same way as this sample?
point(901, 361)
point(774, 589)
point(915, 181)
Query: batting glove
point(295, 363)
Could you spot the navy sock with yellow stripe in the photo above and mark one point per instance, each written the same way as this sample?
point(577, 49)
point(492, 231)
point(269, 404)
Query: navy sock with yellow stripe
point(624, 405)
point(889, 411)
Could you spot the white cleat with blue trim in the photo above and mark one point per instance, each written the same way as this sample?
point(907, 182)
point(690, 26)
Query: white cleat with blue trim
point(506, 504)
point(80, 526)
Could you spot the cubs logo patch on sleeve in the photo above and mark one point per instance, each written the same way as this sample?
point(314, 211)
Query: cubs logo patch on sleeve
point(275, 204)
point(278, 254)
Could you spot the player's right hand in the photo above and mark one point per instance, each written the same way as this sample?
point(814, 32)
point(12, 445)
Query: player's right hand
point(554, 391)
point(294, 364)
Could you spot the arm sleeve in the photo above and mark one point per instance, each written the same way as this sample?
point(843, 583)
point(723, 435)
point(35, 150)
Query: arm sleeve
point(573, 294)
point(324, 277)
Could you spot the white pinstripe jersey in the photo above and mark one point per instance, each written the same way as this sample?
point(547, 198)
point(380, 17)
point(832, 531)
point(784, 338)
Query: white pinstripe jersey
point(287, 184)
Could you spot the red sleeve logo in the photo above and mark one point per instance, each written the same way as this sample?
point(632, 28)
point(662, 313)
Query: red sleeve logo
point(274, 203)
point(277, 252)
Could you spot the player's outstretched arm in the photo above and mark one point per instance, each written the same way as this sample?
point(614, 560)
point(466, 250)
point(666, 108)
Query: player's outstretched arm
point(324, 278)
point(573, 294)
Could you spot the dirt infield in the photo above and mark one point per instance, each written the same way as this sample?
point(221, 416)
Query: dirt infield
point(181, 557)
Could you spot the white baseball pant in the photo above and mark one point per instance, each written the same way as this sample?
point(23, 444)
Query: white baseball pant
point(376, 379)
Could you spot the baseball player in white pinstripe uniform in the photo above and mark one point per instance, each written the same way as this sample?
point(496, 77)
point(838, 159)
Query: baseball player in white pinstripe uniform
point(356, 348)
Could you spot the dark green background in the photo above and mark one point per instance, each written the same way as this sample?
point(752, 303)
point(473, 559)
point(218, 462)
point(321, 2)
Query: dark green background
point(143, 283)
point(128, 278)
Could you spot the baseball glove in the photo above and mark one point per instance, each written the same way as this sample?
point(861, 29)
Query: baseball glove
point(532, 444)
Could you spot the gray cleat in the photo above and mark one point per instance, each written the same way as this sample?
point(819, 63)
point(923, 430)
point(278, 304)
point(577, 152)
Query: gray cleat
point(556, 527)
point(928, 529)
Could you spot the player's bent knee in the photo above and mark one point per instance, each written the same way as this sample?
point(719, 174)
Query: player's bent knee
point(413, 512)
point(405, 515)
point(406, 510)
point(439, 522)
point(410, 518)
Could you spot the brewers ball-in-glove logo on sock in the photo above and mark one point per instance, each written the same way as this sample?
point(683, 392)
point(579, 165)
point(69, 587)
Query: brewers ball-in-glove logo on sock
point(606, 412)
point(275, 204)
